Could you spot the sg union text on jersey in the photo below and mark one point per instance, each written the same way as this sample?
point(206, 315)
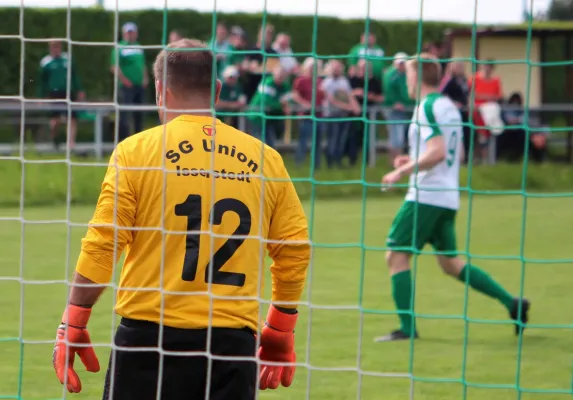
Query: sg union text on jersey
point(247, 164)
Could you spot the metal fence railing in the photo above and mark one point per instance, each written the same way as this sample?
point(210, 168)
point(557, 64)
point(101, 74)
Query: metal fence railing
point(21, 110)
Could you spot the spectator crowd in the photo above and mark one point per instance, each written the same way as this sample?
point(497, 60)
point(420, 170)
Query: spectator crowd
point(327, 99)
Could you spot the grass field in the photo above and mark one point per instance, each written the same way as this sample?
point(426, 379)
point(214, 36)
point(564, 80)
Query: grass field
point(341, 362)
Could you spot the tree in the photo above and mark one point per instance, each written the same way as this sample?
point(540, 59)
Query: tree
point(561, 10)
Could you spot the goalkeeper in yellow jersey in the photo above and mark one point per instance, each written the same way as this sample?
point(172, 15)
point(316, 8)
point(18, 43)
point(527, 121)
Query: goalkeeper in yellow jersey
point(193, 203)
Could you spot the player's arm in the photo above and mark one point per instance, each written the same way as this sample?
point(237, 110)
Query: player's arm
point(114, 68)
point(297, 97)
point(434, 154)
point(354, 106)
point(289, 247)
point(108, 233)
point(284, 102)
point(375, 93)
point(110, 229)
point(329, 97)
point(290, 251)
point(76, 83)
point(117, 71)
point(339, 104)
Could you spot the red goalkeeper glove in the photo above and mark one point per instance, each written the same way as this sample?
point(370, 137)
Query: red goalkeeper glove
point(72, 338)
point(277, 345)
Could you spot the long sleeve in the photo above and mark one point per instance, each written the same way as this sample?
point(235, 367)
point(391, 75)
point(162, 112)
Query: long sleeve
point(393, 91)
point(290, 249)
point(402, 89)
point(110, 229)
point(387, 87)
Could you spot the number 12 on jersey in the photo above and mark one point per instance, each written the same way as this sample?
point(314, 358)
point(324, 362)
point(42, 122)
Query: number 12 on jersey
point(191, 208)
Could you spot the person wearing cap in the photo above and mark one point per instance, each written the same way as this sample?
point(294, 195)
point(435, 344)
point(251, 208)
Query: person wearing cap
point(368, 49)
point(282, 47)
point(231, 98)
point(396, 100)
point(128, 65)
point(237, 42)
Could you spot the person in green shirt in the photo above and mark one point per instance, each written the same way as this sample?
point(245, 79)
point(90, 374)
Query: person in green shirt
point(396, 100)
point(271, 98)
point(221, 47)
point(237, 42)
point(232, 98)
point(128, 65)
point(53, 84)
point(369, 50)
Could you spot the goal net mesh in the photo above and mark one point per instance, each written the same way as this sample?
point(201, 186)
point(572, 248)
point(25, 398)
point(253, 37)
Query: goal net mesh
point(467, 350)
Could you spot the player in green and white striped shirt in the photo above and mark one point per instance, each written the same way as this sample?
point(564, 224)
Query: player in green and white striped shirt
point(428, 213)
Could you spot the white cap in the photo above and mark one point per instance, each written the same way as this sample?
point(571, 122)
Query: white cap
point(231, 72)
point(238, 31)
point(129, 27)
point(400, 57)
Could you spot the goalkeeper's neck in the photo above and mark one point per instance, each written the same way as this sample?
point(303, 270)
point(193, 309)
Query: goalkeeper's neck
point(188, 94)
point(199, 108)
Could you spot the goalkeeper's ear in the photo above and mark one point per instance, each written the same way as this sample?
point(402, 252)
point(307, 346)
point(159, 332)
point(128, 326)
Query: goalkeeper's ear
point(158, 93)
point(218, 86)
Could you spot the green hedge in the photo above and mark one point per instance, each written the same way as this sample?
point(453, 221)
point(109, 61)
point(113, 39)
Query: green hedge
point(94, 30)
point(93, 26)
point(47, 183)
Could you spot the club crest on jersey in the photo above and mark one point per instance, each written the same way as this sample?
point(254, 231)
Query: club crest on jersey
point(208, 130)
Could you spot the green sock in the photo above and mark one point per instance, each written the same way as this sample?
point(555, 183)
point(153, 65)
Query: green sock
point(482, 282)
point(402, 293)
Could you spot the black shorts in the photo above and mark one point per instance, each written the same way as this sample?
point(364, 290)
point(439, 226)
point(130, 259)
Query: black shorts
point(59, 94)
point(135, 374)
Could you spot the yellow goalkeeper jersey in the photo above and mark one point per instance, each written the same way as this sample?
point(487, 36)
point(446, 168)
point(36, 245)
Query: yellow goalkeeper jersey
point(195, 204)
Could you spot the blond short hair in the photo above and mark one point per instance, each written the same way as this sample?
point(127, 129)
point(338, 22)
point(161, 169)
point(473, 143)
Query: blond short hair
point(429, 66)
point(310, 62)
point(185, 66)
